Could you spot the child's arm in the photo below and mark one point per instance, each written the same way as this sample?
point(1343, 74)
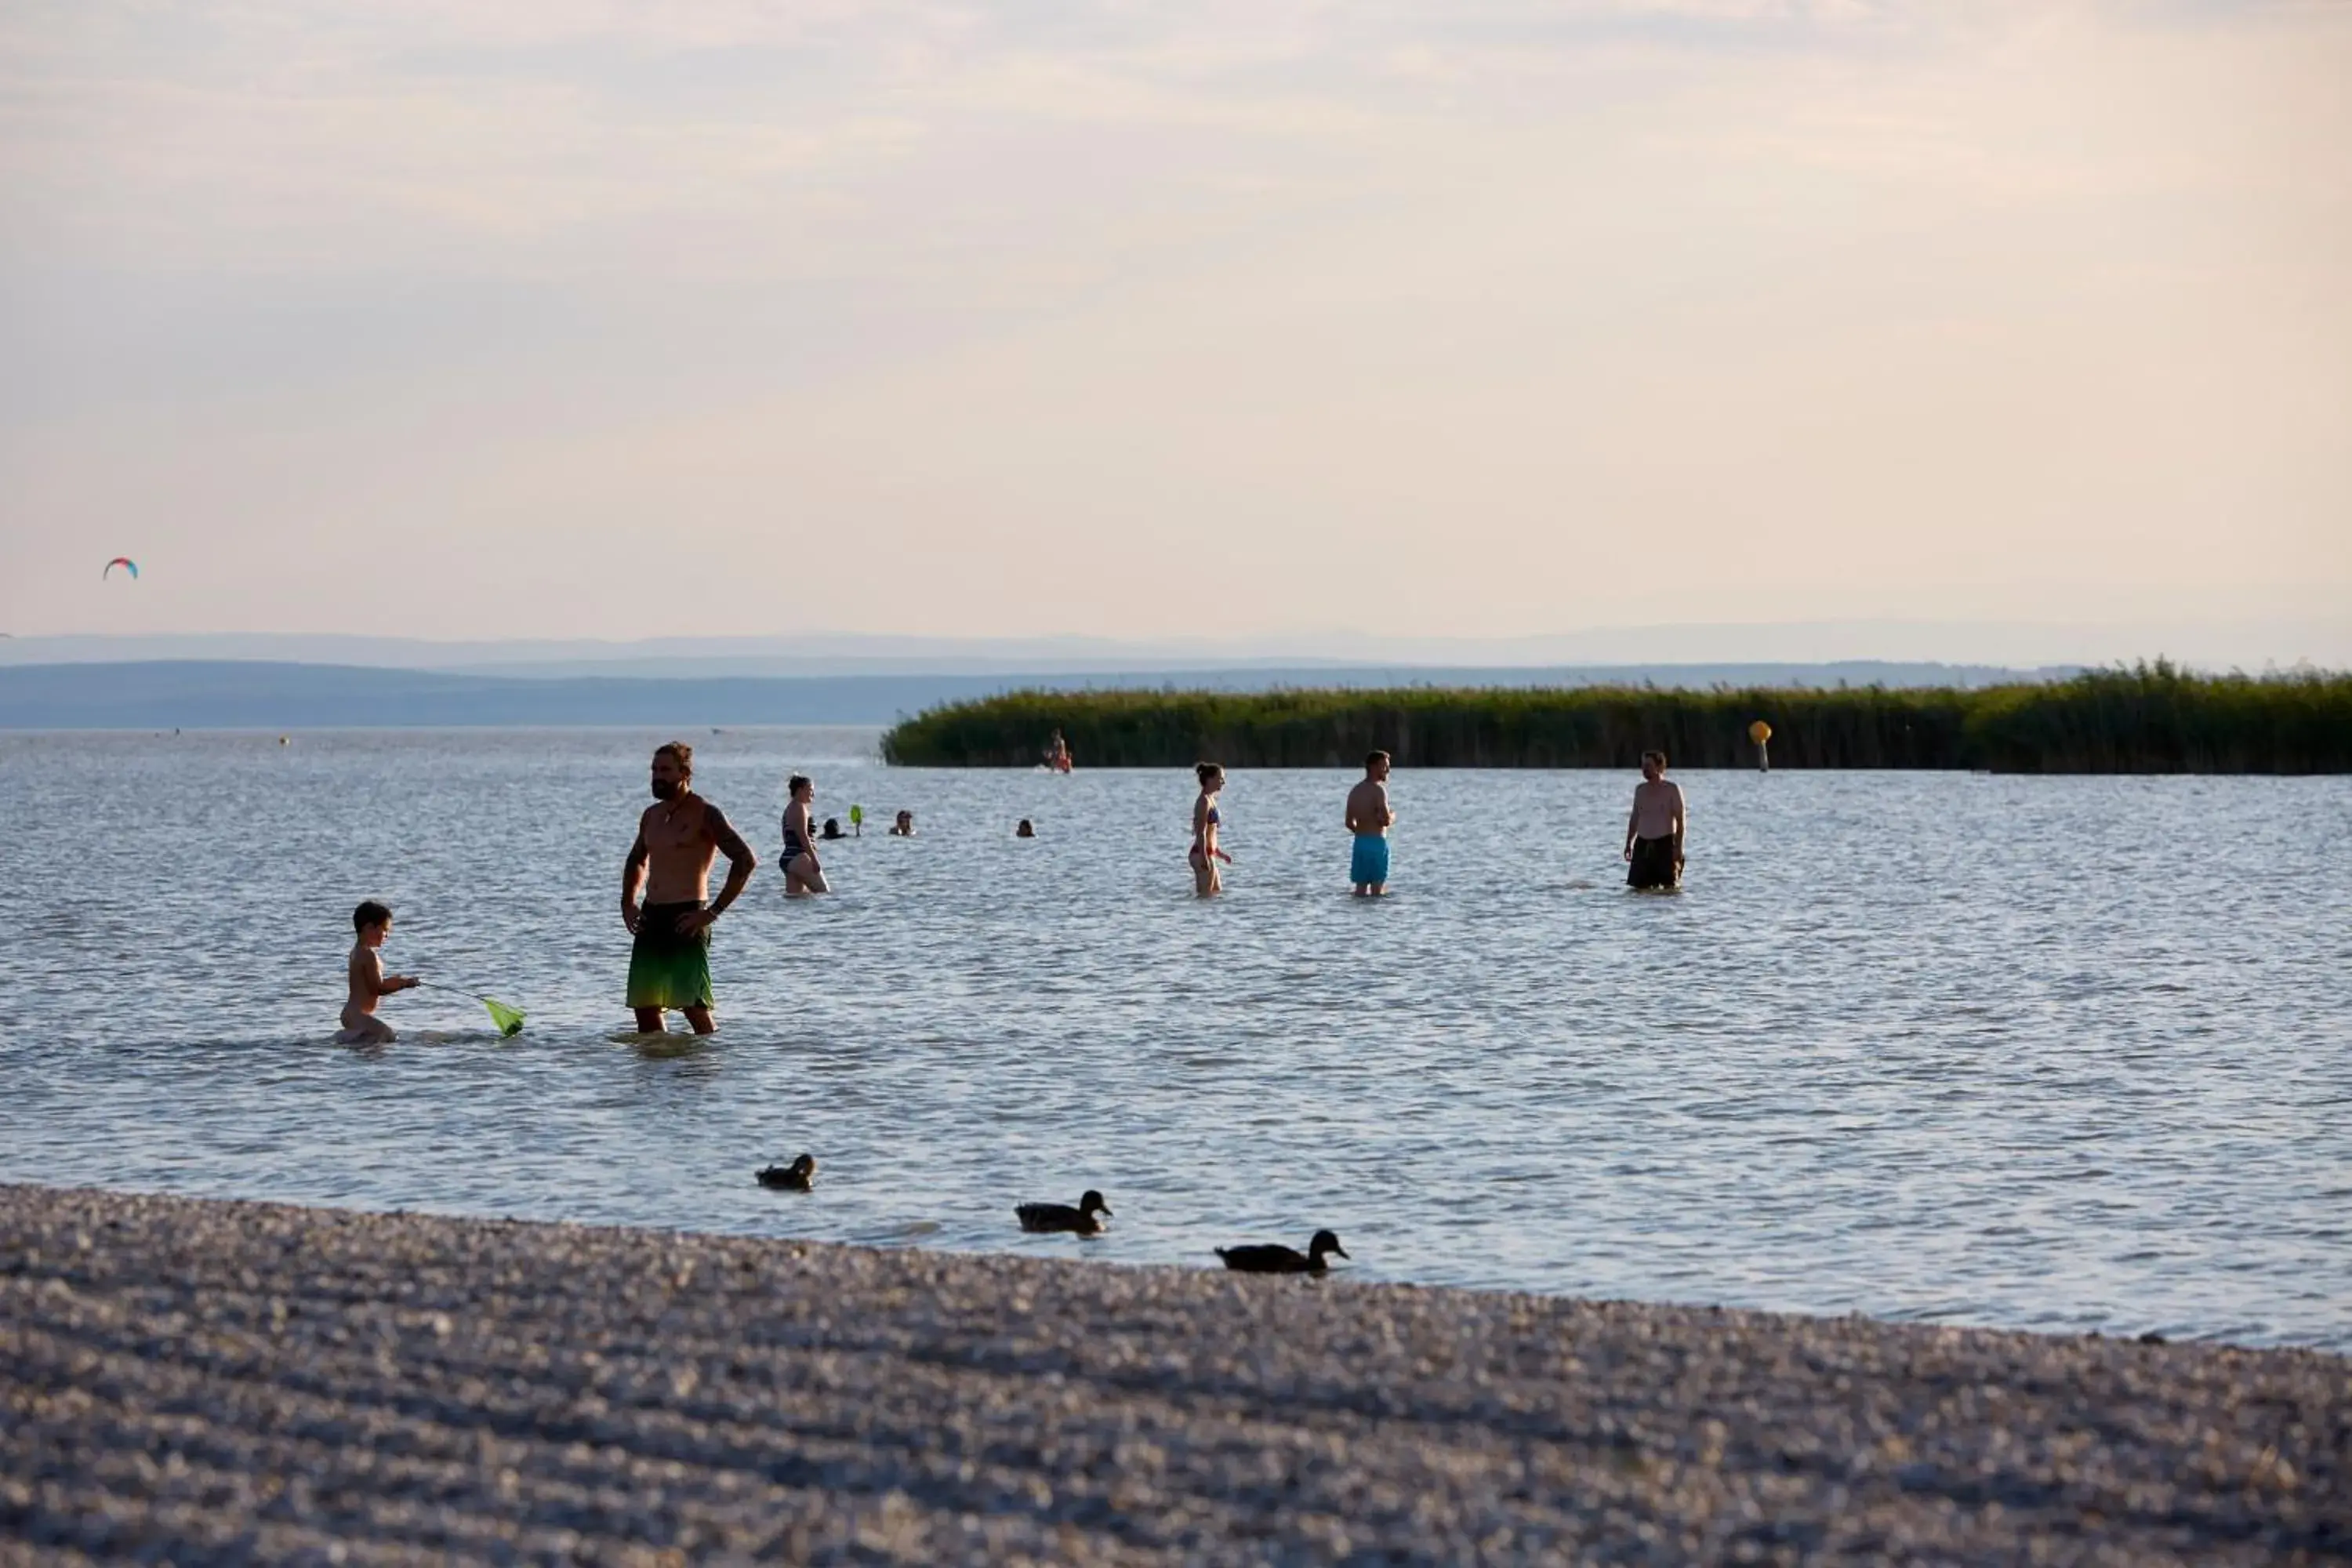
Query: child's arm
point(377, 981)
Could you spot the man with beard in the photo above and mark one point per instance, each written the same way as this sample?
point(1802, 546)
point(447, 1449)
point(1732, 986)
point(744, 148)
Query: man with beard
point(669, 965)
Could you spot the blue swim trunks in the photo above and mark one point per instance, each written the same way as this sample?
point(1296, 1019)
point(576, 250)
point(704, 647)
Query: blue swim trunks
point(1371, 863)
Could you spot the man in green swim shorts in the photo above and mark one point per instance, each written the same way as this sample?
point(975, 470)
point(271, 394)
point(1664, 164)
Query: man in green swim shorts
point(677, 838)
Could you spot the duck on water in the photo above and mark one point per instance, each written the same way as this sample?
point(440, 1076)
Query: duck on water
point(1048, 1218)
point(1277, 1259)
point(797, 1177)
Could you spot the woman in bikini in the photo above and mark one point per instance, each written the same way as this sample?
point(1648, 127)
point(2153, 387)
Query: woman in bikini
point(803, 875)
point(1205, 854)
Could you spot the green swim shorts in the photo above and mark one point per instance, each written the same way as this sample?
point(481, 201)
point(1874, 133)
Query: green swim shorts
point(667, 970)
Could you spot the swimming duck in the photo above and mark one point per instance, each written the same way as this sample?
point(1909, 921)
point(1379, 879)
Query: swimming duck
point(1049, 1217)
point(1271, 1259)
point(796, 1177)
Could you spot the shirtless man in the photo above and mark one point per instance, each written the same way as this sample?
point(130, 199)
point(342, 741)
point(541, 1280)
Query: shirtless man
point(1369, 818)
point(669, 965)
point(369, 983)
point(1654, 831)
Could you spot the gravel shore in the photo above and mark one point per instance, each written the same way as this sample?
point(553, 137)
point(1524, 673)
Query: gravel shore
point(193, 1381)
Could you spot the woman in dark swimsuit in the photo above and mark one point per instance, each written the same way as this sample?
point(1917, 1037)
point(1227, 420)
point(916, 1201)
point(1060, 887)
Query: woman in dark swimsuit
point(1205, 854)
point(803, 875)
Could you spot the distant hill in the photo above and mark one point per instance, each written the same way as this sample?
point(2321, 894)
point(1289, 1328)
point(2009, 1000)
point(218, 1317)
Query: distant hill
point(229, 694)
point(1889, 653)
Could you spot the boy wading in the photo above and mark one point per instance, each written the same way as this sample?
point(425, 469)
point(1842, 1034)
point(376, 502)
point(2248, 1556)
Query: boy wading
point(677, 838)
point(1654, 832)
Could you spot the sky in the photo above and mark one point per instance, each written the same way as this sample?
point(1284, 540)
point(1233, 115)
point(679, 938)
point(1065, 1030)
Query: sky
point(1248, 322)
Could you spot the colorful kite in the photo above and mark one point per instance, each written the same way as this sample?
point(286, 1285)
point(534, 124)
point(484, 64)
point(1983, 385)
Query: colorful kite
point(122, 561)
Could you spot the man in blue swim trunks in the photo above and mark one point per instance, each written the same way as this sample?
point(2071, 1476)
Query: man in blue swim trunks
point(1369, 818)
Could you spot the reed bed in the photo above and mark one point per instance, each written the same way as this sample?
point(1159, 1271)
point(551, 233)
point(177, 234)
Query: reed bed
point(2147, 719)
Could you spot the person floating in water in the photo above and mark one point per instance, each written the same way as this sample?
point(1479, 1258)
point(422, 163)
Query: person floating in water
point(1058, 753)
point(832, 830)
point(904, 827)
point(369, 983)
point(1653, 830)
point(1204, 854)
point(802, 873)
point(1025, 830)
point(1370, 819)
point(677, 838)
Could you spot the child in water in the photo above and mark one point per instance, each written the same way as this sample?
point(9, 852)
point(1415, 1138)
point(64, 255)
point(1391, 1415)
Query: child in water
point(369, 983)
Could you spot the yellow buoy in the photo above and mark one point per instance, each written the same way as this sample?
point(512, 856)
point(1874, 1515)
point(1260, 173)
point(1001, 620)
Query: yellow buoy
point(1759, 732)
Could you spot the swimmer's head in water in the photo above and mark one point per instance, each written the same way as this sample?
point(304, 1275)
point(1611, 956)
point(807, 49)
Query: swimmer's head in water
point(370, 914)
point(1211, 774)
point(1025, 830)
point(673, 768)
point(799, 788)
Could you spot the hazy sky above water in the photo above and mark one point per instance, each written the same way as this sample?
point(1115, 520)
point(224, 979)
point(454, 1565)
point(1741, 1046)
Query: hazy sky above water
point(1474, 319)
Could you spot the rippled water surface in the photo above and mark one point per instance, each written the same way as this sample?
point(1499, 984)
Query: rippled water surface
point(2052, 1053)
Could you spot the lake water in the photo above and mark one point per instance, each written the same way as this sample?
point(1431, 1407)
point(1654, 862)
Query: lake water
point(2054, 1053)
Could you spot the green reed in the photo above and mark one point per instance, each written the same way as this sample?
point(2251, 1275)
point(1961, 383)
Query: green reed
point(2145, 718)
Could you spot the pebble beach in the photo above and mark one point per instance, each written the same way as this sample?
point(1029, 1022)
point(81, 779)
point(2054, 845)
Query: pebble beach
point(198, 1380)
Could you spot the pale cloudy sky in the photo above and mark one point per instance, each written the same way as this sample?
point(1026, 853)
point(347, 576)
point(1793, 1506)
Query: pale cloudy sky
point(1470, 316)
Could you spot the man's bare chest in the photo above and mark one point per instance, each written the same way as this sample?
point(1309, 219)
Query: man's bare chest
point(674, 829)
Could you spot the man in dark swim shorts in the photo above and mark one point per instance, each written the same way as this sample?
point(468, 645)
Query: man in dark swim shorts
point(1654, 832)
point(677, 838)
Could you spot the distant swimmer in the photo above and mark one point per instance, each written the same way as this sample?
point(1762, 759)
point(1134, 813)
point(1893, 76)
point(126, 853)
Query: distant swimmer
point(802, 874)
point(1205, 853)
point(369, 983)
point(832, 830)
point(677, 838)
point(1370, 819)
point(904, 826)
point(1025, 830)
point(1654, 831)
point(1058, 753)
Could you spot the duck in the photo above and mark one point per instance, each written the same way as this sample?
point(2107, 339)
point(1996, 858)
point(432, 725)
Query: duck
point(796, 1177)
point(1045, 1218)
point(1272, 1259)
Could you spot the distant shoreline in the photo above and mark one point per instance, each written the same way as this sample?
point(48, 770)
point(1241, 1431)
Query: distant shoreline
point(199, 1378)
point(2153, 719)
point(259, 694)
